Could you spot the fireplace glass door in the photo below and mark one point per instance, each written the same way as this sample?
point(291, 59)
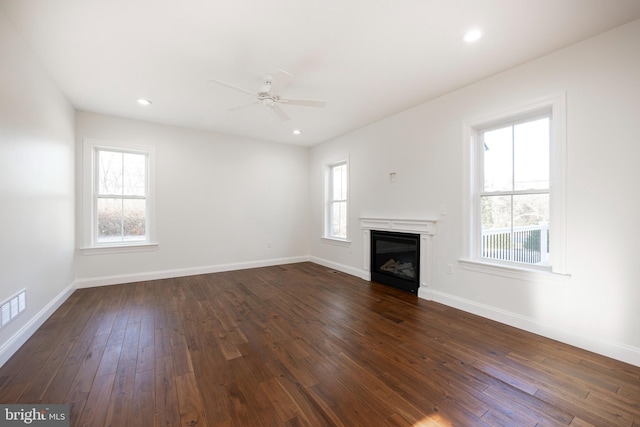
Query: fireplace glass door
point(395, 259)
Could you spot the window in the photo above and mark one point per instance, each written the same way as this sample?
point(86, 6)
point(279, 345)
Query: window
point(514, 191)
point(118, 203)
point(516, 183)
point(337, 183)
point(120, 196)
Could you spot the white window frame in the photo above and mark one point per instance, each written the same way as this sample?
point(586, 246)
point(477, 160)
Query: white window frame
point(328, 200)
point(90, 244)
point(556, 106)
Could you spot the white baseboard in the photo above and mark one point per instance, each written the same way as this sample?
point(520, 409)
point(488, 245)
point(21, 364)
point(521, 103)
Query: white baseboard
point(615, 350)
point(181, 272)
point(23, 334)
point(336, 266)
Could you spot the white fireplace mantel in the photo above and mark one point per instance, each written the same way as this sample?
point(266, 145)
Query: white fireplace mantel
point(416, 226)
point(425, 228)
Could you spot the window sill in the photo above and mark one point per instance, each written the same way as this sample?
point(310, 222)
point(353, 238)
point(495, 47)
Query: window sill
point(335, 241)
point(513, 272)
point(119, 249)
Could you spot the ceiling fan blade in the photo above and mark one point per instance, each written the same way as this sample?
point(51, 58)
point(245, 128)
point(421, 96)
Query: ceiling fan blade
point(230, 86)
point(279, 112)
point(239, 107)
point(280, 81)
point(303, 102)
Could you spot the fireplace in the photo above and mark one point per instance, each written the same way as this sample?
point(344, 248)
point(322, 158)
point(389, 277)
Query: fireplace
point(395, 259)
point(423, 230)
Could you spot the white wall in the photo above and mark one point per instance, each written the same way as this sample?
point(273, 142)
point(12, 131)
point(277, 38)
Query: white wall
point(223, 202)
point(597, 308)
point(36, 189)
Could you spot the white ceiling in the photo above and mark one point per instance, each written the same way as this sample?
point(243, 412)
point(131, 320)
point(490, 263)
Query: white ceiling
point(367, 58)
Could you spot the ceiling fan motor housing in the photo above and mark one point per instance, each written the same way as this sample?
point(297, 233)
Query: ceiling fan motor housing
point(265, 95)
point(268, 99)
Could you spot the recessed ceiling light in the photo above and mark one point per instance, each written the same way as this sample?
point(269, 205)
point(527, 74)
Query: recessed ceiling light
point(297, 131)
point(472, 35)
point(143, 101)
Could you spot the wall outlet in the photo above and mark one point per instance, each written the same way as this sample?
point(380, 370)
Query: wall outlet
point(449, 268)
point(443, 209)
point(393, 177)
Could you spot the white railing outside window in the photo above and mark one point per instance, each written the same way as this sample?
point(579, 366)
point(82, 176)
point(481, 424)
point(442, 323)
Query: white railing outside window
point(526, 244)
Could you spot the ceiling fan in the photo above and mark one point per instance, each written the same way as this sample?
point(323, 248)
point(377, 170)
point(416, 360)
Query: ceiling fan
point(268, 94)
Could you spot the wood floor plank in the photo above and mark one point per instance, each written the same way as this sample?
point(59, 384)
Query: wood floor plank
point(119, 409)
point(143, 405)
point(527, 408)
point(619, 408)
point(109, 361)
point(382, 396)
point(284, 405)
point(190, 401)
point(19, 381)
point(213, 376)
point(95, 410)
point(303, 345)
point(309, 413)
point(577, 422)
point(167, 412)
point(125, 379)
point(60, 384)
point(40, 383)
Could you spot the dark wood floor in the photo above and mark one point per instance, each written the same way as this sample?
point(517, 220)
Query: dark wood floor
point(301, 345)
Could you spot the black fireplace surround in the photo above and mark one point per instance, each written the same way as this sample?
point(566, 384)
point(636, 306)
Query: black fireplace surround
point(395, 259)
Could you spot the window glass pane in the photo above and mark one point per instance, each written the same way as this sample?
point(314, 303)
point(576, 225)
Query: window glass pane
point(109, 220)
point(343, 185)
point(335, 183)
point(135, 174)
point(498, 160)
point(121, 220)
point(530, 210)
point(109, 172)
point(496, 227)
point(496, 212)
point(516, 228)
point(339, 219)
point(531, 229)
point(339, 182)
point(531, 155)
point(134, 219)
